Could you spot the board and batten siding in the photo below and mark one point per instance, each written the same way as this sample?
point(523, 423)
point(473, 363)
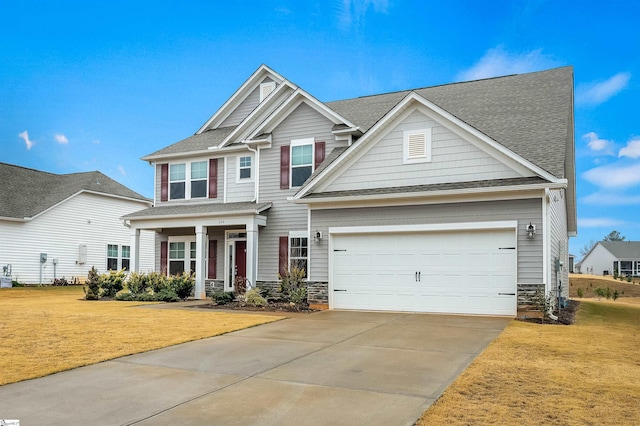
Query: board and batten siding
point(453, 159)
point(285, 216)
point(83, 219)
point(558, 241)
point(246, 106)
point(524, 211)
point(244, 190)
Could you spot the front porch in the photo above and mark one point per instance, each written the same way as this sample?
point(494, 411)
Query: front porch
point(217, 242)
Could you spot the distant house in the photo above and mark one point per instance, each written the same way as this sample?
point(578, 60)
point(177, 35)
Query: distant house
point(54, 226)
point(456, 198)
point(609, 257)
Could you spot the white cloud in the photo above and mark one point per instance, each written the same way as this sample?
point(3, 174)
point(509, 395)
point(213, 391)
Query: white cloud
point(632, 150)
point(25, 135)
point(354, 11)
point(599, 222)
point(497, 62)
point(597, 145)
point(597, 93)
point(122, 170)
point(614, 176)
point(610, 199)
point(61, 139)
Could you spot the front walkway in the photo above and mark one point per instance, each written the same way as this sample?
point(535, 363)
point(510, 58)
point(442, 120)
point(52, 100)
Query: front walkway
point(331, 367)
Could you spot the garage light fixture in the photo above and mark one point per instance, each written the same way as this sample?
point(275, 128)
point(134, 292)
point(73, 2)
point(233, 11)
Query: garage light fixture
point(531, 231)
point(317, 236)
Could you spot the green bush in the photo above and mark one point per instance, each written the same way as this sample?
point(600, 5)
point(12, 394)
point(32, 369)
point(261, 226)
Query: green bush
point(182, 285)
point(603, 292)
point(221, 297)
point(254, 298)
point(615, 295)
point(580, 292)
point(628, 278)
point(137, 283)
point(111, 283)
point(167, 295)
point(126, 296)
point(92, 285)
point(292, 285)
point(157, 281)
point(16, 284)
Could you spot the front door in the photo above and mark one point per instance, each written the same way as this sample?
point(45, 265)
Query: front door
point(236, 258)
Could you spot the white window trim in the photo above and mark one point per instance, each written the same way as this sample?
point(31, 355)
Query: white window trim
point(119, 258)
point(405, 146)
point(264, 86)
point(249, 179)
point(299, 234)
point(187, 181)
point(301, 142)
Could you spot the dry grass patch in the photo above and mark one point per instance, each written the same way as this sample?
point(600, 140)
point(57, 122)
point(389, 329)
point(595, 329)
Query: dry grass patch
point(588, 283)
point(584, 374)
point(50, 329)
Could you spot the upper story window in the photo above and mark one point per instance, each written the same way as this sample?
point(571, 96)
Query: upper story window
point(195, 187)
point(244, 168)
point(177, 182)
point(199, 179)
point(301, 161)
point(266, 89)
point(416, 146)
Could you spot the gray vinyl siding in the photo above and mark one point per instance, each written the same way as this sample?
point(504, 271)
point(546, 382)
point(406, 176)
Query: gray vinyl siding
point(246, 106)
point(524, 211)
point(453, 160)
point(558, 240)
point(285, 216)
point(158, 181)
point(239, 191)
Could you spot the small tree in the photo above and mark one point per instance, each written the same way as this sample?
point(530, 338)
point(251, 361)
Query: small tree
point(92, 285)
point(292, 285)
point(614, 236)
point(543, 303)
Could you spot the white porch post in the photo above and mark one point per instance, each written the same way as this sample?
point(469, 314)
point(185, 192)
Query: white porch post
point(134, 261)
point(201, 237)
point(252, 253)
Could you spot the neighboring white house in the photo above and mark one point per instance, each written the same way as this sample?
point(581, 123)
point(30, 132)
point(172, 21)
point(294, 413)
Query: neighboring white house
point(54, 226)
point(609, 257)
point(456, 198)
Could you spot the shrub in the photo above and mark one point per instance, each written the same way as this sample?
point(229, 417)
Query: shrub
point(615, 275)
point(580, 292)
point(137, 283)
point(92, 285)
point(603, 292)
point(182, 285)
point(628, 278)
point(16, 284)
point(156, 281)
point(126, 296)
point(292, 285)
point(615, 295)
point(542, 303)
point(221, 297)
point(240, 285)
point(60, 282)
point(112, 283)
point(146, 297)
point(255, 299)
point(167, 295)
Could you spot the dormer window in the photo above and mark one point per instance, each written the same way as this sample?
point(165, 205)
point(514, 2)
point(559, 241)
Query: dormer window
point(416, 146)
point(266, 89)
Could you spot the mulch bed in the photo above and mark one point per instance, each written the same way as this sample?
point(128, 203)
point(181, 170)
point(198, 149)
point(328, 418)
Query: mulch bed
point(271, 307)
point(567, 315)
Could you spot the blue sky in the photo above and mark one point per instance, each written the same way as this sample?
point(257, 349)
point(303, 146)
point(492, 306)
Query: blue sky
point(96, 85)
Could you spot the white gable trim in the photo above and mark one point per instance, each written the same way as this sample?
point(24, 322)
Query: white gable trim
point(401, 109)
point(296, 99)
point(247, 87)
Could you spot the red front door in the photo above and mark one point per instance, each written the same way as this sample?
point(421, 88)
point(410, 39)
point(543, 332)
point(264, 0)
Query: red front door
point(241, 259)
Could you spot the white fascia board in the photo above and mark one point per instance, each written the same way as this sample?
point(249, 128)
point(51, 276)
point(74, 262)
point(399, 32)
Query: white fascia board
point(14, 219)
point(461, 226)
point(523, 191)
point(265, 104)
point(298, 97)
point(240, 94)
point(394, 113)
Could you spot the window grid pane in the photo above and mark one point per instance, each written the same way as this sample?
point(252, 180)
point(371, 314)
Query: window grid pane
point(301, 155)
point(199, 170)
point(193, 250)
point(112, 250)
point(176, 250)
point(245, 161)
point(126, 252)
point(176, 172)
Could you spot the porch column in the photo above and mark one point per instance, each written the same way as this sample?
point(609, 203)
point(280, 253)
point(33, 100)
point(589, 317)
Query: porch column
point(134, 260)
point(201, 237)
point(252, 253)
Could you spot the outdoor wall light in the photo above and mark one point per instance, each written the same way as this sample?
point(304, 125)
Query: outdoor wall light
point(531, 231)
point(317, 236)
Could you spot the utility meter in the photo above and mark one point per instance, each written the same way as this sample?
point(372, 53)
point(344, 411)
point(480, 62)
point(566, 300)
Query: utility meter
point(43, 257)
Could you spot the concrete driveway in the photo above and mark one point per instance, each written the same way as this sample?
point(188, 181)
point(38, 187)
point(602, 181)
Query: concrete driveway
point(332, 367)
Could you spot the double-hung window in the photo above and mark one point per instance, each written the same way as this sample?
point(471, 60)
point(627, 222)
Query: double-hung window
point(244, 168)
point(298, 251)
point(192, 257)
point(126, 257)
point(112, 257)
point(301, 161)
point(199, 179)
point(177, 181)
point(176, 258)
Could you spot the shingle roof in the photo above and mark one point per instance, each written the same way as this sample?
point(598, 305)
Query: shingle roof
point(449, 186)
point(24, 192)
point(198, 142)
point(623, 249)
point(198, 209)
point(530, 114)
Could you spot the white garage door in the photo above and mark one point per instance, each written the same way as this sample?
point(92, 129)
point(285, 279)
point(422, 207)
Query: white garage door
point(469, 272)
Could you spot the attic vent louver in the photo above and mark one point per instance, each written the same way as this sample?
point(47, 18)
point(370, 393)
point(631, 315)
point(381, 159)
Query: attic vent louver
point(417, 145)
